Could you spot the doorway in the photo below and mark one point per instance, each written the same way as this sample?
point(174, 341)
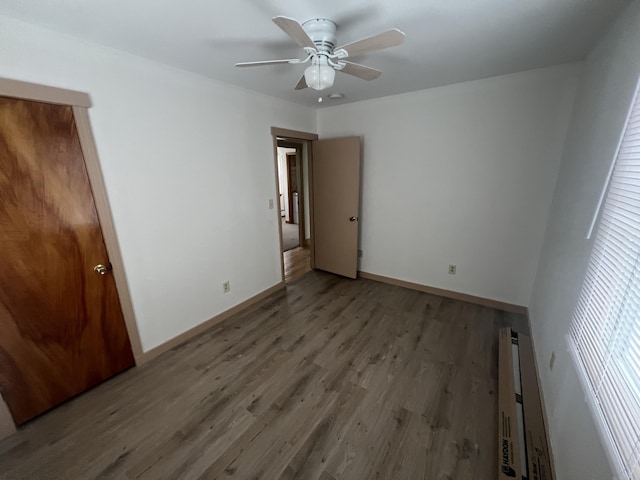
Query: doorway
point(292, 152)
point(329, 177)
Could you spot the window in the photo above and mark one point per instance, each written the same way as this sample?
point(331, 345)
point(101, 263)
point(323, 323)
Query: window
point(605, 332)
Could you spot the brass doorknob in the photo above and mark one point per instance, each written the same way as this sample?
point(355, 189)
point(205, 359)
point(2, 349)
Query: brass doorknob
point(100, 269)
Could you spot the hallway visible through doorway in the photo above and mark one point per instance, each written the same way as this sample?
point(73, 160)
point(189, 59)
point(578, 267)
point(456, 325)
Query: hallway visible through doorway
point(292, 160)
point(297, 262)
point(289, 183)
point(290, 235)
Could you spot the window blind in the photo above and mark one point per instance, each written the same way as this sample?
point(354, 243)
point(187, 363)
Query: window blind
point(605, 330)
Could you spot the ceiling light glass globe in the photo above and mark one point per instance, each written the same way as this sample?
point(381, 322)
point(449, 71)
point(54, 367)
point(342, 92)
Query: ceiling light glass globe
point(319, 77)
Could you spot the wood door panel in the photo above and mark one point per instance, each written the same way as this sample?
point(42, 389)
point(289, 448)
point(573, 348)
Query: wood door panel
point(336, 199)
point(61, 326)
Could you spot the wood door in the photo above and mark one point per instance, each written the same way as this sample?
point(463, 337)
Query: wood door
point(336, 204)
point(61, 326)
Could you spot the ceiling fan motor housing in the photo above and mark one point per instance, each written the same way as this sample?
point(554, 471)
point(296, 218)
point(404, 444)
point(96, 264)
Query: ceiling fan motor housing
point(323, 33)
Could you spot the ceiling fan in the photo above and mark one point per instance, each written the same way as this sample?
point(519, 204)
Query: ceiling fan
point(317, 37)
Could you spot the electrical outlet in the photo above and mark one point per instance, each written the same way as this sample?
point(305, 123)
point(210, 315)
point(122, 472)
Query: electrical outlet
point(271, 204)
point(226, 286)
point(552, 361)
point(359, 253)
point(452, 269)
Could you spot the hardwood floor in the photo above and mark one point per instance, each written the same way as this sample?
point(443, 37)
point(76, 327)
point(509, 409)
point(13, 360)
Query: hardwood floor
point(296, 263)
point(329, 379)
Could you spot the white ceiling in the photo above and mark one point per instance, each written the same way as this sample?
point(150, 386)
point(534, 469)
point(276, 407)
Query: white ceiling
point(447, 41)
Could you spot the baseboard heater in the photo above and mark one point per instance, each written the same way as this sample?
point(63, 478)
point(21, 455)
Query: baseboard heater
point(523, 450)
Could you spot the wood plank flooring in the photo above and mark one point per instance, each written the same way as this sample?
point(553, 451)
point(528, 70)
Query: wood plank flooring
point(329, 379)
point(296, 263)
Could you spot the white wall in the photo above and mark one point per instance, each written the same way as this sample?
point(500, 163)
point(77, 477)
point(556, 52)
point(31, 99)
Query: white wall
point(463, 175)
point(611, 73)
point(188, 165)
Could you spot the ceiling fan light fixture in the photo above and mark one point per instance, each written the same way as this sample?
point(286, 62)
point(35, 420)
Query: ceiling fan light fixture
point(319, 76)
point(317, 37)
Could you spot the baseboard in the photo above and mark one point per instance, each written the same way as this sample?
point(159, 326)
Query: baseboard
point(486, 302)
point(307, 242)
point(198, 329)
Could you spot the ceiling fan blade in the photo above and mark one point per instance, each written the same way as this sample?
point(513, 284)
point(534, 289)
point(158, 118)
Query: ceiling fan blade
point(390, 38)
point(302, 84)
point(360, 71)
point(267, 62)
point(293, 28)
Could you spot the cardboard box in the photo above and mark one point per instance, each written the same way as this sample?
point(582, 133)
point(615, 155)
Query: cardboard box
point(508, 429)
point(531, 430)
point(538, 459)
